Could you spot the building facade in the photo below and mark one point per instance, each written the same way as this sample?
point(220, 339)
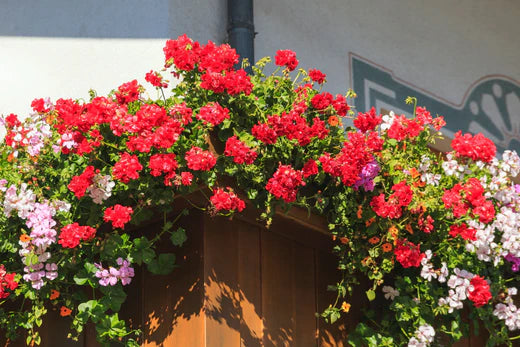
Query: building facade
point(460, 59)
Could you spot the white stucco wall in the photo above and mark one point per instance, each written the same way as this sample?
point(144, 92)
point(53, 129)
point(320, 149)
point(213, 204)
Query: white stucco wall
point(59, 48)
point(62, 48)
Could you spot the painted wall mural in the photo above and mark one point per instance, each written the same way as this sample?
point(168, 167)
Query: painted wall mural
point(491, 105)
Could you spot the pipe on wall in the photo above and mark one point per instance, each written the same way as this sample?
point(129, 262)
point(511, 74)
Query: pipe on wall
point(241, 29)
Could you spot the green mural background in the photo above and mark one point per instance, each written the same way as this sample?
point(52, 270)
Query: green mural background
point(491, 105)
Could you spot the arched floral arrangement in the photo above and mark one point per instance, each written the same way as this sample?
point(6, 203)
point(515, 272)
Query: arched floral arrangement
point(436, 233)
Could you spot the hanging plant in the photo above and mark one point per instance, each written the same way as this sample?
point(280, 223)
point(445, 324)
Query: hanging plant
point(436, 233)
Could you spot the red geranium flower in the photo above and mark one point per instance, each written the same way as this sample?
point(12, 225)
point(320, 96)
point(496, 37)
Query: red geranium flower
point(119, 215)
point(229, 201)
point(287, 58)
point(480, 295)
point(198, 159)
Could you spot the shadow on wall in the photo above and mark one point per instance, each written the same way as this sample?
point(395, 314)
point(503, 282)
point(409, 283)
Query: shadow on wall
point(137, 19)
point(92, 18)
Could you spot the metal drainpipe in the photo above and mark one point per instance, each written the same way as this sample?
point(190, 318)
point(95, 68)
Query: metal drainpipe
point(241, 29)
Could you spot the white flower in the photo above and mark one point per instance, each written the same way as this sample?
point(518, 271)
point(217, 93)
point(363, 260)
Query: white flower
point(388, 119)
point(443, 273)
point(425, 333)
point(390, 292)
point(101, 188)
point(415, 343)
point(423, 336)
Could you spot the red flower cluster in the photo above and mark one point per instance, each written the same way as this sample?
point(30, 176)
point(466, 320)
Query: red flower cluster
point(119, 215)
point(367, 121)
point(291, 125)
point(234, 82)
point(426, 224)
point(153, 125)
point(228, 201)
point(7, 282)
point(287, 58)
point(198, 159)
point(183, 52)
point(317, 76)
point(127, 168)
point(38, 105)
point(403, 128)
point(464, 231)
point(240, 152)
point(182, 112)
point(476, 147)
point(310, 168)
point(186, 178)
point(72, 234)
point(71, 116)
point(349, 163)
point(285, 182)
point(322, 101)
point(340, 105)
point(12, 121)
point(215, 62)
point(163, 163)
point(79, 184)
point(401, 197)
point(128, 92)
point(481, 294)
point(213, 113)
point(156, 79)
point(408, 254)
point(461, 198)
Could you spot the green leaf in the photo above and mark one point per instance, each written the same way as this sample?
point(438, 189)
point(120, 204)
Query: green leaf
point(87, 306)
point(371, 295)
point(334, 316)
point(163, 265)
point(143, 252)
point(80, 280)
point(114, 297)
point(178, 237)
point(91, 268)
